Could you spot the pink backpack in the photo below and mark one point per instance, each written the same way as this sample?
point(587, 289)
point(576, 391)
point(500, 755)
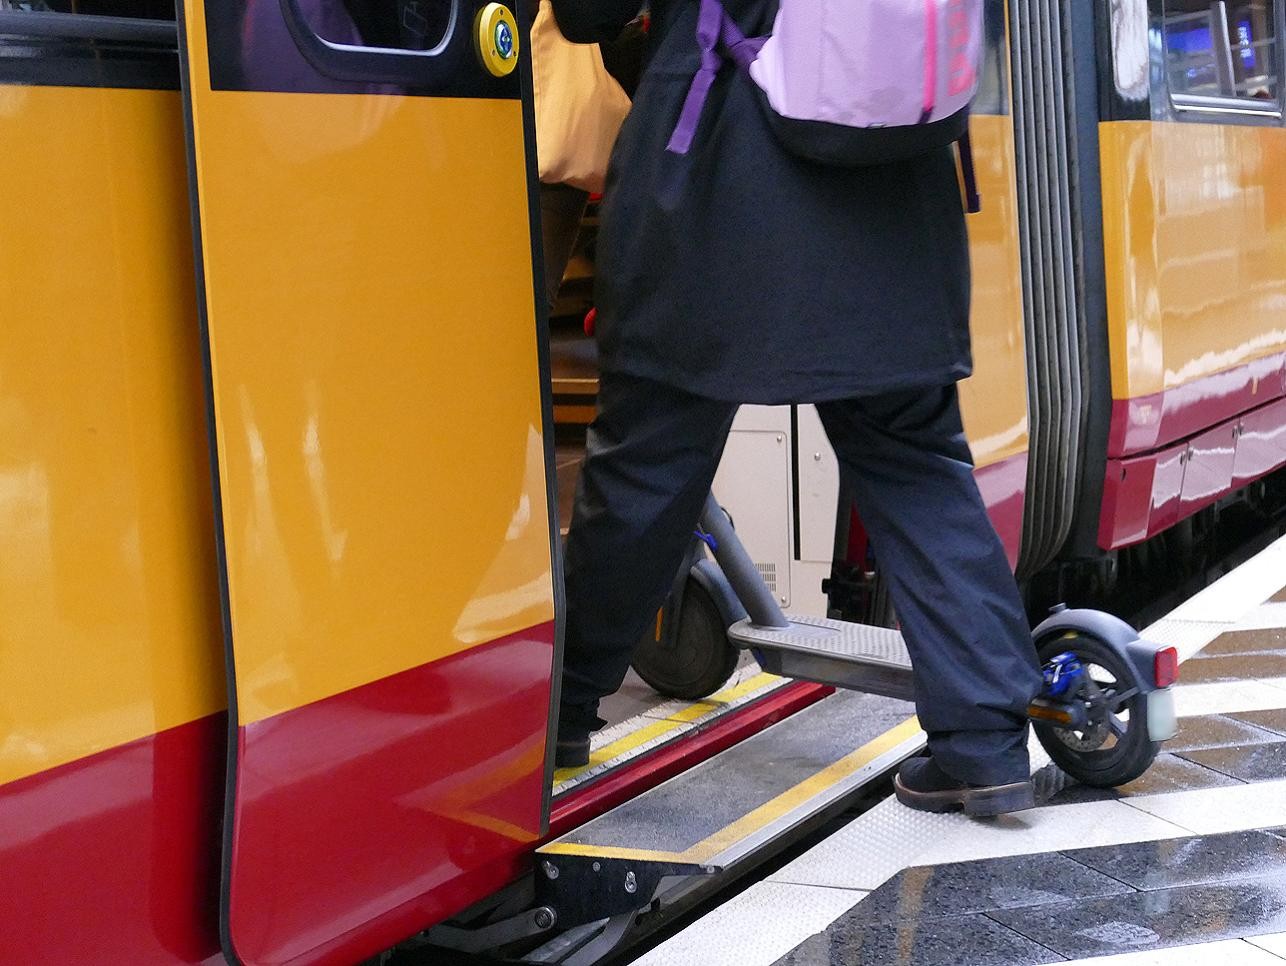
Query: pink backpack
point(852, 82)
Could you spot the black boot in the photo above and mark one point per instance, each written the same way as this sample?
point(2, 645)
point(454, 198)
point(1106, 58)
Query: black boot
point(572, 750)
point(575, 725)
point(922, 785)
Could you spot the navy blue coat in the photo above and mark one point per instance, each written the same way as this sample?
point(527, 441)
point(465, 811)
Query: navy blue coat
point(742, 273)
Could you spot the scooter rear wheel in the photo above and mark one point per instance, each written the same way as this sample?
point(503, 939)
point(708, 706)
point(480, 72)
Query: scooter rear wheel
point(700, 658)
point(1115, 748)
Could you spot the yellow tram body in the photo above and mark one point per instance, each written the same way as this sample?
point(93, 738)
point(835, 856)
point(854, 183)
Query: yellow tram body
point(288, 504)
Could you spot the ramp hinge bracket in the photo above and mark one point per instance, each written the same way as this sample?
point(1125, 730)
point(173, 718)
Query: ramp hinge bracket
point(493, 935)
point(586, 888)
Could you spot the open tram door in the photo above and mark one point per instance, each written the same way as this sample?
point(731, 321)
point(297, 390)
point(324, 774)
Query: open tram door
point(362, 185)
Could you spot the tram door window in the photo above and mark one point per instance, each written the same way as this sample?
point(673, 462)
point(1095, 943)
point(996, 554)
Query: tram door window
point(139, 9)
point(1222, 52)
point(401, 25)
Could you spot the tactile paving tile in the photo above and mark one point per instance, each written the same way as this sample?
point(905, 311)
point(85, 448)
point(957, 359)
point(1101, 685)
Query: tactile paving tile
point(891, 837)
point(1233, 596)
point(1187, 637)
point(754, 928)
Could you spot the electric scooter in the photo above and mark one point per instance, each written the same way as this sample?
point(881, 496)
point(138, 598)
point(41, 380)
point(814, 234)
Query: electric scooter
point(1104, 708)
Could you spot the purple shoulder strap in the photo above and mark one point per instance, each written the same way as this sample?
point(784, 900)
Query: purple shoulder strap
point(720, 40)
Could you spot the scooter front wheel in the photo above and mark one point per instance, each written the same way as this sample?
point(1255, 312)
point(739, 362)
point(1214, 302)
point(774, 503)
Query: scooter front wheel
point(1111, 746)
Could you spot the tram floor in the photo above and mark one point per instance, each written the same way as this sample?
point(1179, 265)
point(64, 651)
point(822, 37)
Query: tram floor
point(568, 457)
point(1185, 865)
point(633, 699)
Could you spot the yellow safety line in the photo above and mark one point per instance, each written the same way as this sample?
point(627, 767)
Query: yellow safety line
point(700, 708)
point(790, 800)
point(662, 726)
point(648, 732)
point(611, 852)
point(705, 850)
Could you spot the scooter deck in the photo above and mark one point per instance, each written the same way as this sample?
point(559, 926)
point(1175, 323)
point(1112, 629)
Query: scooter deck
point(858, 657)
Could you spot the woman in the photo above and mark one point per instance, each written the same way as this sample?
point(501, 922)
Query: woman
point(738, 273)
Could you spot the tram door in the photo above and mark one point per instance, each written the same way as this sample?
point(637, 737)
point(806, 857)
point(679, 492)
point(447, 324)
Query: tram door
point(362, 192)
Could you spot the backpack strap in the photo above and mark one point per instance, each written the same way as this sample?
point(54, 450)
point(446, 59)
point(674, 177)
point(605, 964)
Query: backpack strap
point(715, 30)
point(973, 203)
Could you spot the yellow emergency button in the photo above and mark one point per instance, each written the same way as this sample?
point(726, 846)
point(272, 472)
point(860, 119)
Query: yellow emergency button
point(497, 39)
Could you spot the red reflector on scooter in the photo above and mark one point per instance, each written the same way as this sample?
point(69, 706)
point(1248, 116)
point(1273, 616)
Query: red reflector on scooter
point(1165, 667)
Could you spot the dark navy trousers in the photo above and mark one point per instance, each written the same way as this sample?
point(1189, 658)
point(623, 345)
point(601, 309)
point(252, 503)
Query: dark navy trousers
point(652, 454)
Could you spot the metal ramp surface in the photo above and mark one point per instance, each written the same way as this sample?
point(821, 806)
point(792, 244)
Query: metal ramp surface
point(725, 815)
point(859, 657)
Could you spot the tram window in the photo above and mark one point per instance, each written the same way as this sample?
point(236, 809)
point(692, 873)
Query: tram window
point(390, 24)
point(1223, 52)
point(139, 9)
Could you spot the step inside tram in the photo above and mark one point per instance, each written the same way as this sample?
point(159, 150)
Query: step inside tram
point(285, 435)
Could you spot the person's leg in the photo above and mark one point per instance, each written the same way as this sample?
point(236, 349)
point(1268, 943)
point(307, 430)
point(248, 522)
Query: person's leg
point(651, 457)
point(909, 464)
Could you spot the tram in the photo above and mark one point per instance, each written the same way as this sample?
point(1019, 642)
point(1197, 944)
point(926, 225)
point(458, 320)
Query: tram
point(279, 582)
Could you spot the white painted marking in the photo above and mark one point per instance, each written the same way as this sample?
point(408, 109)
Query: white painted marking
point(1274, 943)
point(1234, 595)
point(1229, 697)
point(1205, 811)
point(1228, 952)
point(1263, 617)
point(759, 926)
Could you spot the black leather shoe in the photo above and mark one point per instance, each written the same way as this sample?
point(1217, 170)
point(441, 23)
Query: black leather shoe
point(572, 750)
point(922, 785)
point(576, 722)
